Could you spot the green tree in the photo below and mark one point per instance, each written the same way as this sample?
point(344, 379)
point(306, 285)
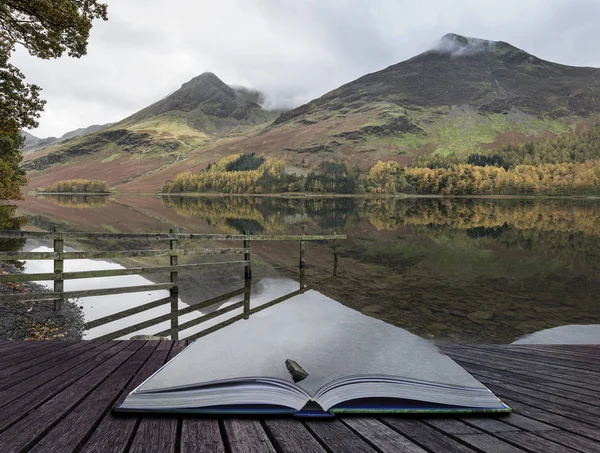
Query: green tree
point(47, 29)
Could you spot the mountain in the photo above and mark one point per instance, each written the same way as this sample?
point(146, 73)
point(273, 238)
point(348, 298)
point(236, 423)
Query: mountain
point(202, 111)
point(33, 143)
point(464, 95)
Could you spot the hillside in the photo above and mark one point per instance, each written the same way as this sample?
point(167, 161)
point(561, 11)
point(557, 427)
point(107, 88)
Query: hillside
point(463, 96)
point(200, 112)
point(33, 143)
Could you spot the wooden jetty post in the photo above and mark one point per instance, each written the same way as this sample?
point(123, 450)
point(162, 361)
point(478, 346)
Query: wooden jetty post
point(335, 255)
point(302, 265)
point(59, 283)
point(247, 275)
point(174, 290)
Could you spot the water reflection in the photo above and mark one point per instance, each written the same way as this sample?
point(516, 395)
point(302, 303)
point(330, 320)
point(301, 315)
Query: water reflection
point(78, 201)
point(452, 270)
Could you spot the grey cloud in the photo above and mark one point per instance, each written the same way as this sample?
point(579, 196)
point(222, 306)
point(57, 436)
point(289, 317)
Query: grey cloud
point(293, 51)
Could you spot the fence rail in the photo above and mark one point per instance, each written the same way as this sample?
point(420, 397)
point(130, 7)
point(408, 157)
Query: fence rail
point(58, 277)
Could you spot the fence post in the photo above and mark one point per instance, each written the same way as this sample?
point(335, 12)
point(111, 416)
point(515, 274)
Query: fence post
point(247, 275)
point(58, 269)
point(335, 255)
point(302, 265)
point(174, 291)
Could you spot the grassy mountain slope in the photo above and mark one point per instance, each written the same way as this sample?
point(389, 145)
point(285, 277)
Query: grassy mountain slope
point(464, 95)
point(162, 134)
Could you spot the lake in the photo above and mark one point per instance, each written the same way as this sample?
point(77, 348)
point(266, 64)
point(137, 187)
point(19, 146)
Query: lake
point(449, 270)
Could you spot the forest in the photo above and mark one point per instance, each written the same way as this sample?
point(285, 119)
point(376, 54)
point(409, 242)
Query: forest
point(565, 165)
point(77, 186)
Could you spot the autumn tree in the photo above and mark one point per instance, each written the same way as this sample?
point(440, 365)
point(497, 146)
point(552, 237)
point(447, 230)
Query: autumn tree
point(47, 29)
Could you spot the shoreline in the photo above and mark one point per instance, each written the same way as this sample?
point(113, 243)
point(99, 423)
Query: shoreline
point(307, 195)
point(36, 320)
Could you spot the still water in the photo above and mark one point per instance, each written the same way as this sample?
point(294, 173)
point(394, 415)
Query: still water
point(449, 270)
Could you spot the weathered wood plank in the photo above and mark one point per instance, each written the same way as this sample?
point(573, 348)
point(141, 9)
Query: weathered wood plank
point(73, 429)
point(528, 424)
point(489, 444)
point(519, 368)
point(33, 348)
point(100, 254)
point(243, 435)
point(536, 358)
point(201, 319)
point(158, 434)
point(382, 437)
point(337, 436)
point(31, 428)
point(555, 419)
point(16, 364)
point(200, 436)
point(570, 398)
point(125, 313)
point(586, 375)
point(35, 390)
point(534, 443)
point(291, 436)
point(571, 440)
point(32, 367)
point(490, 424)
point(84, 293)
point(209, 302)
point(425, 436)
point(135, 327)
point(115, 432)
point(12, 234)
point(451, 425)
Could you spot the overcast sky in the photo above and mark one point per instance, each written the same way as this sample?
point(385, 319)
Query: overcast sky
point(292, 50)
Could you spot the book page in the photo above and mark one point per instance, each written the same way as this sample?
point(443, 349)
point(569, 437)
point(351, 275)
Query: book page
point(327, 339)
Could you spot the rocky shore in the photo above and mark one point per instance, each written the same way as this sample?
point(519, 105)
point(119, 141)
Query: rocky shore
point(36, 320)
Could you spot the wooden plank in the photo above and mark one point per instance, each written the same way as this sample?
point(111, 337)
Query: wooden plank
point(135, 327)
point(555, 419)
point(59, 283)
point(27, 348)
point(158, 434)
point(200, 435)
point(16, 364)
point(522, 362)
point(125, 313)
point(490, 424)
point(209, 302)
point(201, 319)
point(144, 270)
point(291, 436)
point(13, 234)
point(79, 422)
point(380, 436)
point(559, 354)
point(244, 435)
point(525, 423)
point(29, 429)
point(34, 393)
point(451, 426)
point(52, 380)
point(115, 432)
point(534, 443)
point(103, 254)
point(571, 440)
point(34, 366)
point(425, 436)
point(488, 444)
point(84, 293)
point(536, 389)
point(337, 436)
point(516, 377)
point(506, 365)
point(7, 345)
point(537, 358)
point(586, 414)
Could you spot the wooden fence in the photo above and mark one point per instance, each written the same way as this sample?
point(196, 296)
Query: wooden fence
point(59, 295)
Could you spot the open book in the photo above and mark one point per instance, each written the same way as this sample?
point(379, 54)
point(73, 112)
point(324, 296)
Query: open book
point(311, 356)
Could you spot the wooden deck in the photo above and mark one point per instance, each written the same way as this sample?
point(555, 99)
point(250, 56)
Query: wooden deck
point(57, 397)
